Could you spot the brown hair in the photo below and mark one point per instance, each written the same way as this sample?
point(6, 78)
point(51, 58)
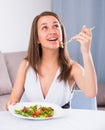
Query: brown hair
point(35, 50)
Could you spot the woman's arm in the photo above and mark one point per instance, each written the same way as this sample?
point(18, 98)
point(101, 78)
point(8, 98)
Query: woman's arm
point(85, 77)
point(18, 87)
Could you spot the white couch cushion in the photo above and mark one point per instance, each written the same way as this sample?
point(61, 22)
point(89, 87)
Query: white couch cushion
point(5, 83)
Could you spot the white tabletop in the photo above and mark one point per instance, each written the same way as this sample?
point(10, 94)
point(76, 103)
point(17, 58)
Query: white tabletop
point(75, 120)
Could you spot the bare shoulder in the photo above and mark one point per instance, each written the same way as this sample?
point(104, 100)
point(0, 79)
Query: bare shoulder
point(20, 76)
point(23, 65)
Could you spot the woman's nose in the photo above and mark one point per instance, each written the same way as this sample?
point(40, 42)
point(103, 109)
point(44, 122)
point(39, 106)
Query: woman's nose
point(52, 32)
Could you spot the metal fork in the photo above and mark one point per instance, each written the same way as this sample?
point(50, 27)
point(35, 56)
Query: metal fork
point(71, 39)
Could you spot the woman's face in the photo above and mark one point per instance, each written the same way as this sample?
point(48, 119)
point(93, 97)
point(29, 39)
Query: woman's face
point(49, 32)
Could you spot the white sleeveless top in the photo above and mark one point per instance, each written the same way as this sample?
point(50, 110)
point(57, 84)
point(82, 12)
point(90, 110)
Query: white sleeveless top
point(59, 91)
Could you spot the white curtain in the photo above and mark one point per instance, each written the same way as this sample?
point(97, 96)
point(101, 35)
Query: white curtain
point(74, 14)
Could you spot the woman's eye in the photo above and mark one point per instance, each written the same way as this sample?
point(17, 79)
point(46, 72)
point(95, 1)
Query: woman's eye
point(44, 27)
point(57, 26)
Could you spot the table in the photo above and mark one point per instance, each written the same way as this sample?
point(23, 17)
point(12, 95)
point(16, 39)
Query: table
point(74, 120)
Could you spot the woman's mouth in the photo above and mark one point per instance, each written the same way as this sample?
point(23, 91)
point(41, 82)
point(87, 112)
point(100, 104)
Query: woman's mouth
point(52, 39)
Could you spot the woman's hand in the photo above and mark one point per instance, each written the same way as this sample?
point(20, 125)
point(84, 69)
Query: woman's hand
point(84, 37)
point(10, 103)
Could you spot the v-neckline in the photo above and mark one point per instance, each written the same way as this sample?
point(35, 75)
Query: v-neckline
point(51, 86)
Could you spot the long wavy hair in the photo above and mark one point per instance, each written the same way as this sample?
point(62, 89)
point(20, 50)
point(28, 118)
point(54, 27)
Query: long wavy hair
point(35, 51)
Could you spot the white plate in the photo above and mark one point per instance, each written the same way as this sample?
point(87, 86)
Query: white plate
point(58, 111)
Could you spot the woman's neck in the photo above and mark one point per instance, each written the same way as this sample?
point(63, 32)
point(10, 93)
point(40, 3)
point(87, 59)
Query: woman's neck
point(49, 64)
point(49, 58)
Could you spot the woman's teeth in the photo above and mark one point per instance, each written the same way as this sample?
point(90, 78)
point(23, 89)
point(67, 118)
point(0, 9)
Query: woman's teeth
point(52, 39)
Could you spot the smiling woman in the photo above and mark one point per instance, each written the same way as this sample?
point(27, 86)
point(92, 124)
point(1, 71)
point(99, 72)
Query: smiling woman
point(49, 31)
point(48, 74)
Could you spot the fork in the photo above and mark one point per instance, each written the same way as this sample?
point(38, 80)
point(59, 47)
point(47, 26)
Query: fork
point(71, 39)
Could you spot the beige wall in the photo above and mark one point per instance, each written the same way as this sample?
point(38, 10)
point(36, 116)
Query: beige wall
point(16, 17)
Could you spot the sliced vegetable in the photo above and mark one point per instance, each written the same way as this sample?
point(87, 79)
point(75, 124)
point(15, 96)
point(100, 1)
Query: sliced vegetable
point(36, 111)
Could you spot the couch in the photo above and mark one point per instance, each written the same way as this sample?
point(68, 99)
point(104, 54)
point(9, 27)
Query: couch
point(9, 63)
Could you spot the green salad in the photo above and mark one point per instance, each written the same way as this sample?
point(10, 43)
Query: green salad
point(36, 111)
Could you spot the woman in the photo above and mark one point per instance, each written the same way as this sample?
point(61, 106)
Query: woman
point(48, 73)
